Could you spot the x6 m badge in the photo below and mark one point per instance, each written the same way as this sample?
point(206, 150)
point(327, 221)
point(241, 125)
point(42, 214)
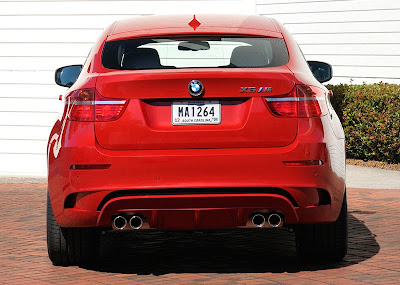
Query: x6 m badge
point(255, 89)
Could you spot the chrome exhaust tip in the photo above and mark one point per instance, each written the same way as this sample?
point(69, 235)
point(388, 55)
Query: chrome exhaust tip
point(258, 220)
point(136, 222)
point(274, 220)
point(120, 222)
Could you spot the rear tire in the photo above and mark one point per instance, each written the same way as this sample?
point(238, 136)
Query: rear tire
point(69, 246)
point(324, 241)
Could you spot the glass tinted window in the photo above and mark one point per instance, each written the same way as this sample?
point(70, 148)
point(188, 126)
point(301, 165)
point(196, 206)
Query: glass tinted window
point(195, 52)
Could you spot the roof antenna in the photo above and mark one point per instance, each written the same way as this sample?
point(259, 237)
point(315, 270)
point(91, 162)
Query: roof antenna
point(194, 23)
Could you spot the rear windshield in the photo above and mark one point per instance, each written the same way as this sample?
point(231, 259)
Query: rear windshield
point(195, 52)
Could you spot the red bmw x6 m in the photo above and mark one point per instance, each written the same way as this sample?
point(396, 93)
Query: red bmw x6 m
point(196, 123)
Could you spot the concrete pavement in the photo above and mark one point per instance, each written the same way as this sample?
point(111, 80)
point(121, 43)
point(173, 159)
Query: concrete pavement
point(371, 178)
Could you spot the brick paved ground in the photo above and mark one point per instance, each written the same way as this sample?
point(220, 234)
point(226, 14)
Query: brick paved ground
point(198, 258)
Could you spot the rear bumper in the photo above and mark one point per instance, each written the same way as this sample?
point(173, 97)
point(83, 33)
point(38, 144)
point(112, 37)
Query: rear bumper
point(196, 211)
point(81, 197)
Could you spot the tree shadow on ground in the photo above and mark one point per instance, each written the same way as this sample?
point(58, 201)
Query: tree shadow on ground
point(241, 251)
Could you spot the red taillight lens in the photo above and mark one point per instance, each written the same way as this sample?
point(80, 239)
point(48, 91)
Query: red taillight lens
point(108, 109)
point(302, 102)
point(284, 106)
point(87, 105)
point(79, 105)
point(312, 101)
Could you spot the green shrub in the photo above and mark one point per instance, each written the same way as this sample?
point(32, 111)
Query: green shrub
point(337, 100)
point(370, 115)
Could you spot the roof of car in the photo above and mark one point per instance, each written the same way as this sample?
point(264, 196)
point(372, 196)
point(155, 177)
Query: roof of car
point(194, 24)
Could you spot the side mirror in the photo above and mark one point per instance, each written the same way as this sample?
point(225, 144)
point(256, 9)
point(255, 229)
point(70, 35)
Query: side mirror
point(67, 75)
point(321, 70)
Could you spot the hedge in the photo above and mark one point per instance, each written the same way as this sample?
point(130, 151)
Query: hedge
point(370, 115)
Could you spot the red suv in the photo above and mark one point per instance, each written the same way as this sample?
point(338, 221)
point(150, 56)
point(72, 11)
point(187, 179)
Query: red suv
point(196, 123)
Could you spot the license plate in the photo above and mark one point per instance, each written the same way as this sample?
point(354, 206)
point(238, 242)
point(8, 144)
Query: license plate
point(196, 113)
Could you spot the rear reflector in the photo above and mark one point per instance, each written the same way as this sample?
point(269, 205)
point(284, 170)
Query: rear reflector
point(87, 105)
point(89, 166)
point(303, 162)
point(302, 102)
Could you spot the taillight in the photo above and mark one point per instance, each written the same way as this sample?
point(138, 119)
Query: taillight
point(302, 102)
point(107, 109)
point(312, 101)
point(87, 105)
point(79, 105)
point(284, 105)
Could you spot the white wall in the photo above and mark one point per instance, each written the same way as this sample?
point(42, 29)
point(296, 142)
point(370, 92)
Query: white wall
point(361, 38)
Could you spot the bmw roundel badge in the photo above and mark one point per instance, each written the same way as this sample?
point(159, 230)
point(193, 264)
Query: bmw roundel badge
point(196, 88)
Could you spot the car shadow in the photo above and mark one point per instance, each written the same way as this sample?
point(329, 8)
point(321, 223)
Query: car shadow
point(243, 251)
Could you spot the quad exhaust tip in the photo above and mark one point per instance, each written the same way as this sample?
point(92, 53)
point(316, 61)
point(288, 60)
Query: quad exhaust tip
point(120, 222)
point(258, 220)
point(273, 220)
point(136, 222)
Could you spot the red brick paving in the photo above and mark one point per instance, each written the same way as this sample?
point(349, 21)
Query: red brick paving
point(240, 257)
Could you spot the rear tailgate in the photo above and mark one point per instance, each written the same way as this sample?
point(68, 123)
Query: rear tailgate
point(147, 122)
